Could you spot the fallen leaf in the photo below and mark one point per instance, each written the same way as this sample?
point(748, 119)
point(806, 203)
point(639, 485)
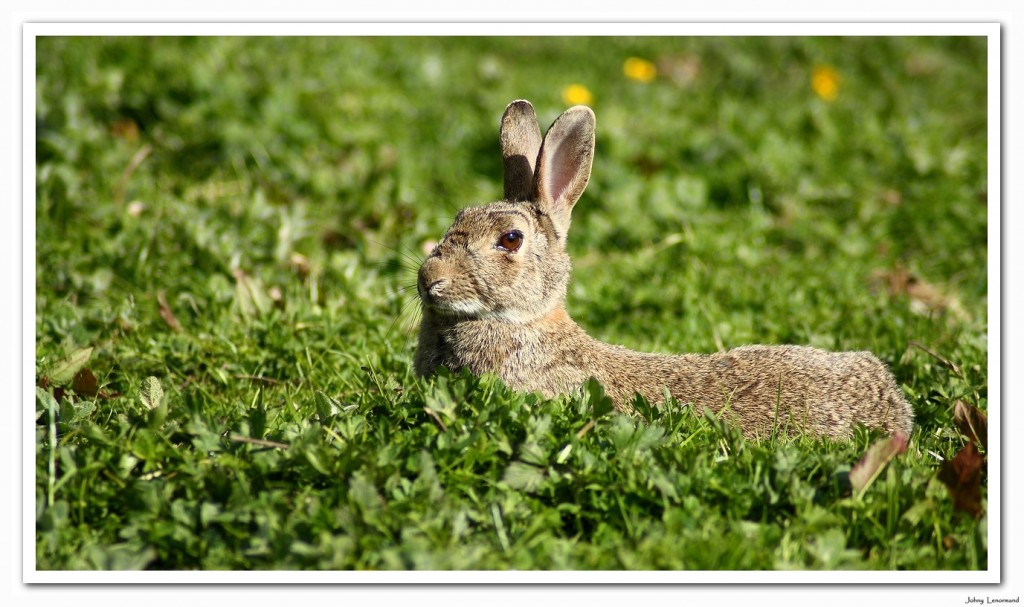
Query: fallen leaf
point(875, 460)
point(65, 370)
point(924, 296)
point(299, 263)
point(126, 129)
point(166, 313)
point(972, 422)
point(682, 70)
point(892, 197)
point(922, 64)
point(249, 294)
point(85, 383)
point(962, 476)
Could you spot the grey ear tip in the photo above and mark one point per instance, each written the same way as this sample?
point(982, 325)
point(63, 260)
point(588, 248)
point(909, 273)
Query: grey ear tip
point(576, 117)
point(519, 104)
point(582, 110)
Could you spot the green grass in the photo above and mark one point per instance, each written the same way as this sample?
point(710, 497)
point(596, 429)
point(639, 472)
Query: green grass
point(277, 194)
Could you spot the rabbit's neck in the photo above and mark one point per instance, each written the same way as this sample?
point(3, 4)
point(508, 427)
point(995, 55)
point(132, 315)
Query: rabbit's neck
point(519, 353)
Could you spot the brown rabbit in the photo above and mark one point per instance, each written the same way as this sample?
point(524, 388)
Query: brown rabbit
point(493, 294)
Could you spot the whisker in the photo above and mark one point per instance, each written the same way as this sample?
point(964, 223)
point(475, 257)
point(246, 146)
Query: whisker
point(408, 306)
point(393, 265)
point(407, 256)
point(413, 255)
point(395, 293)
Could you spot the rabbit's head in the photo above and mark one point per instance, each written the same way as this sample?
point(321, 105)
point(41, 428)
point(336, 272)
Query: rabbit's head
point(507, 260)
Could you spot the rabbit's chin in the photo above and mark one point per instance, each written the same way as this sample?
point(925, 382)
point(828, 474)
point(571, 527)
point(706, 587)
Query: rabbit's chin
point(474, 310)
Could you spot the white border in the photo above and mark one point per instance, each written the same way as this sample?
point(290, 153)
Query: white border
point(995, 453)
point(32, 30)
point(546, 28)
point(28, 340)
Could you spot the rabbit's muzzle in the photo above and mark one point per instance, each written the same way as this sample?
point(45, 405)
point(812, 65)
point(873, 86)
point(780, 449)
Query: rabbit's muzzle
point(439, 291)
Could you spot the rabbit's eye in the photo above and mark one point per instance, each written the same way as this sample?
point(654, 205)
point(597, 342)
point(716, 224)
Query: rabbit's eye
point(511, 241)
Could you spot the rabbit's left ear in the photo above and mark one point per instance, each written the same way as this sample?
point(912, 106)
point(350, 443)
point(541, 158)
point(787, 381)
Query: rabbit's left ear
point(563, 167)
point(520, 143)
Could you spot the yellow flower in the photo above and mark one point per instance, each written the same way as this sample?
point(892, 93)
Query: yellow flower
point(639, 69)
point(576, 94)
point(825, 82)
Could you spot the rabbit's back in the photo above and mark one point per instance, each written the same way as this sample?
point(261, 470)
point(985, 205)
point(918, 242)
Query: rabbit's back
point(792, 389)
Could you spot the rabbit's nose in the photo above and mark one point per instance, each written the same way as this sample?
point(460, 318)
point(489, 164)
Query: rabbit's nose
point(435, 288)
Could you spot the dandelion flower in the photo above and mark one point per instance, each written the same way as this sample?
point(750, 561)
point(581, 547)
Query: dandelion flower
point(576, 94)
point(639, 69)
point(825, 82)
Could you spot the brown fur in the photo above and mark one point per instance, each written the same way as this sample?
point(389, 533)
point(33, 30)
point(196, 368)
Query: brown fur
point(494, 310)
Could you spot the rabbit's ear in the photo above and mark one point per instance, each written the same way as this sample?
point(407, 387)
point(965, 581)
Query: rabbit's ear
point(563, 168)
point(520, 143)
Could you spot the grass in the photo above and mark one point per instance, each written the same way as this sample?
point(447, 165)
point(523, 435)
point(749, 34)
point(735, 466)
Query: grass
point(227, 229)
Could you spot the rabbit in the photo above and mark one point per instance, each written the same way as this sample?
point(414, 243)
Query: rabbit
point(493, 290)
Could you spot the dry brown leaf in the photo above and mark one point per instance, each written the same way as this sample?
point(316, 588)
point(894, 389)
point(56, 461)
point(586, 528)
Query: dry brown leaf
point(166, 313)
point(924, 296)
point(962, 476)
point(85, 383)
point(682, 70)
point(922, 64)
point(875, 460)
point(892, 197)
point(126, 129)
point(299, 263)
point(972, 422)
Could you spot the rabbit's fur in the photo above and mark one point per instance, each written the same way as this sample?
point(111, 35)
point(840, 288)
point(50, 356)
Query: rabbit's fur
point(493, 298)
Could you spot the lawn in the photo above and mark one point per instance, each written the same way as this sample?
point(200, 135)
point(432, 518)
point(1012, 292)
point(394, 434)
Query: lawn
point(228, 230)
